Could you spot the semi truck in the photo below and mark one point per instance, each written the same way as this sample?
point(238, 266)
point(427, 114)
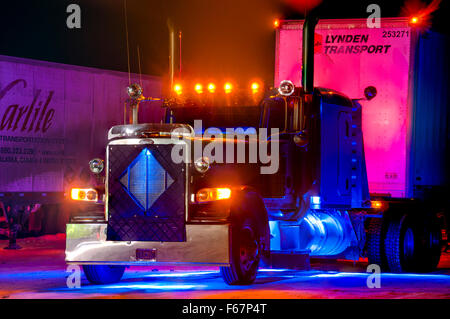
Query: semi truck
point(239, 175)
point(54, 118)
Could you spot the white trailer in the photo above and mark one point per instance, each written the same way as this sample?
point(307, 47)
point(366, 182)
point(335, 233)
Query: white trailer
point(53, 120)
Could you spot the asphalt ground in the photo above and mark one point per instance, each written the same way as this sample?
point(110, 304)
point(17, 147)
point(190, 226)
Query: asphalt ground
point(38, 271)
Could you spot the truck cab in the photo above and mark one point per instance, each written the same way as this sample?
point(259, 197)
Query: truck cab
point(238, 179)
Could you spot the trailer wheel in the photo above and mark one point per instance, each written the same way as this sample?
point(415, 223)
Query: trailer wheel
point(401, 245)
point(430, 244)
point(245, 254)
point(375, 249)
point(103, 274)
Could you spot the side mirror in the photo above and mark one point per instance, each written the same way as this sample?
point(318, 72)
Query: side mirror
point(370, 92)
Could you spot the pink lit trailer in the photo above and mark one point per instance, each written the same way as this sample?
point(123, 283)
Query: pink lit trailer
point(405, 126)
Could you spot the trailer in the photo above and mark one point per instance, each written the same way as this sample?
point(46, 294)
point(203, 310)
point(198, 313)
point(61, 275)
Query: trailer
point(54, 119)
point(203, 188)
point(406, 135)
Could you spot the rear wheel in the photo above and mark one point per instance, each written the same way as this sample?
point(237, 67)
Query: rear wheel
point(401, 245)
point(103, 274)
point(245, 253)
point(412, 243)
point(429, 244)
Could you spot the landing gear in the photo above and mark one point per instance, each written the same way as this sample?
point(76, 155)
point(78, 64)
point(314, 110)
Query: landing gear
point(103, 274)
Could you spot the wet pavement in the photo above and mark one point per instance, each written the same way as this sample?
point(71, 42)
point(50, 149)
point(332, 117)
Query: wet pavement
point(38, 270)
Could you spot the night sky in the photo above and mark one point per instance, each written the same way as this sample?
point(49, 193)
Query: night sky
point(232, 38)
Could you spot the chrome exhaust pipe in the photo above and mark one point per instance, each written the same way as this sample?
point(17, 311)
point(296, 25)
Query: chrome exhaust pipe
point(308, 53)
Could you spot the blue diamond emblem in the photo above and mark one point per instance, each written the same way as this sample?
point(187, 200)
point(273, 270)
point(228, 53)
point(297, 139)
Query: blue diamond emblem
point(145, 180)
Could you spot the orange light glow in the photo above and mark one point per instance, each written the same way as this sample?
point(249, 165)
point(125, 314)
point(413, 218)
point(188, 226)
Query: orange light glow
point(84, 194)
point(178, 89)
point(211, 87)
point(276, 23)
point(228, 87)
point(376, 204)
point(212, 194)
point(255, 87)
point(414, 20)
point(198, 88)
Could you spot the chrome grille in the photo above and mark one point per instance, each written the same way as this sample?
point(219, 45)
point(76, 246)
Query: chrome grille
point(146, 194)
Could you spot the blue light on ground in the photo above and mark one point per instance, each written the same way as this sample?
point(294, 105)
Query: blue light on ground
point(182, 274)
point(31, 275)
point(136, 281)
point(147, 286)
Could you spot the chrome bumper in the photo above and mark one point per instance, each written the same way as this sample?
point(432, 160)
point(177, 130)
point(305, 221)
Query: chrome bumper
point(205, 245)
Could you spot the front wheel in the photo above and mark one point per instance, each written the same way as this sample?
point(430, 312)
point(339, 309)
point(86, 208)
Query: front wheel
point(103, 274)
point(245, 253)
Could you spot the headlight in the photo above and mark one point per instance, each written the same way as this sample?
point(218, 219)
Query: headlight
point(202, 164)
point(212, 194)
point(96, 165)
point(84, 194)
point(286, 88)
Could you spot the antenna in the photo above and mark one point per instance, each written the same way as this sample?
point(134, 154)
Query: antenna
point(128, 47)
point(171, 52)
point(179, 47)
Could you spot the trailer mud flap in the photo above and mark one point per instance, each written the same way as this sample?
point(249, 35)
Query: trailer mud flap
point(146, 200)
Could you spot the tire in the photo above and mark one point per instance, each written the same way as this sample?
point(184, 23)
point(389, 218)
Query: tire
point(375, 241)
point(401, 245)
point(245, 255)
point(103, 274)
point(429, 244)
point(247, 231)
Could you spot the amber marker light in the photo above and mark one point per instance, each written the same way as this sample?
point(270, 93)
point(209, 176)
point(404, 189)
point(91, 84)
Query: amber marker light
point(178, 89)
point(255, 87)
point(228, 87)
point(376, 204)
point(211, 87)
point(198, 88)
point(212, 194)
point(276, 23)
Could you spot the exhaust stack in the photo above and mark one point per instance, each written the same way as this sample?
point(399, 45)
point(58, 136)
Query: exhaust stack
point(308, 53)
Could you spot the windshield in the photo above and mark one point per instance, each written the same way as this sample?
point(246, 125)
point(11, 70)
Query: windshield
point(218, 117)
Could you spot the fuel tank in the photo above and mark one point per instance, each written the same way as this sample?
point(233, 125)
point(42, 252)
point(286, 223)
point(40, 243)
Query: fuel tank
point(319, 232)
